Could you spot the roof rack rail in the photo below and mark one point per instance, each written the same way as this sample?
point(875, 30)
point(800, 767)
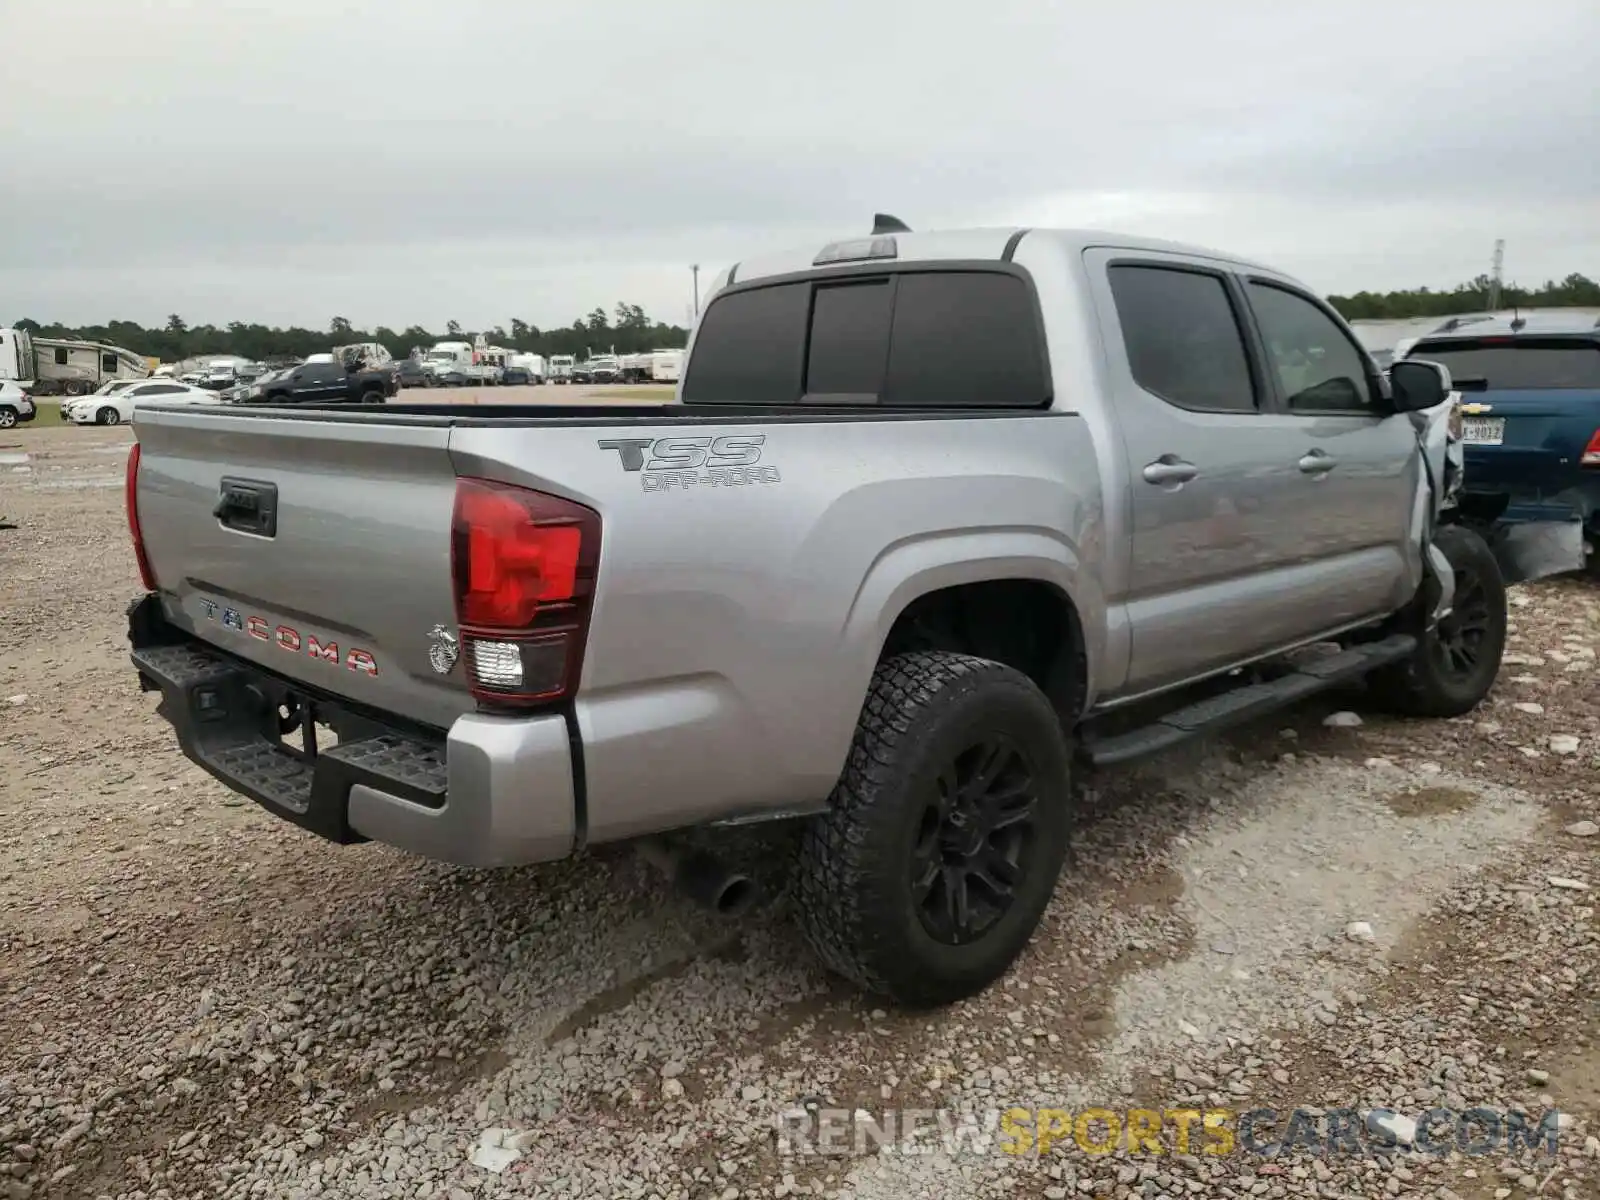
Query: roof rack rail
point(1455, 323)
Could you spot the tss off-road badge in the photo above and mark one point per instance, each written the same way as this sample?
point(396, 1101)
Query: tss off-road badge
point(442, 649)
point(665, 464)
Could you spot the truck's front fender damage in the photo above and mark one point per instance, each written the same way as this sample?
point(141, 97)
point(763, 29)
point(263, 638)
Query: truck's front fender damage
point(1445, 581)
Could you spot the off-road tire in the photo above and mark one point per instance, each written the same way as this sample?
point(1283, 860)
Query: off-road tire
point(373, 397)
point(108, 416)
point(853, 882)
point(1424, 685)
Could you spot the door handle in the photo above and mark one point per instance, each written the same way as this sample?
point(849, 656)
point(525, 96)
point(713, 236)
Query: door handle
point(1318, 463)
point(1169, 469)
point(248, 506)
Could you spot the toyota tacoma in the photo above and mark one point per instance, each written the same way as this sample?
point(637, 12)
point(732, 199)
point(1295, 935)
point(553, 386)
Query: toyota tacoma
point(935, 521)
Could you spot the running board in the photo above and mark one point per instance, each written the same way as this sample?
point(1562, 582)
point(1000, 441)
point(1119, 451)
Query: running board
point(1245, 703)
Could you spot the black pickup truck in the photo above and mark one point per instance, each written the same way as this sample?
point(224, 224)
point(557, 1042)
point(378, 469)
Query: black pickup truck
point(326, 383)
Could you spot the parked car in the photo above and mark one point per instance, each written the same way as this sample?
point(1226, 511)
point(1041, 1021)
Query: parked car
point(326, 382)
point(114, 404)
point(1083, 497)
point(1530, 423)
point(408, 372)
point(240, 392)
point(517, 375)
point(16, 405)
point(220, 377)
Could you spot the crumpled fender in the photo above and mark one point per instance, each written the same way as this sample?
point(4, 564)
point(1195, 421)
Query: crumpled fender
point(1439, 484)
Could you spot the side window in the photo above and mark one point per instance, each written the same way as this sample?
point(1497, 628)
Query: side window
point(61, 356)
point(108, 364)
point(1316, 365)
point(1183, 338)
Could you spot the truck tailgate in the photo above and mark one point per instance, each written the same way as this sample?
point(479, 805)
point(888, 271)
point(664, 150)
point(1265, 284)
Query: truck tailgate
point(341, 583)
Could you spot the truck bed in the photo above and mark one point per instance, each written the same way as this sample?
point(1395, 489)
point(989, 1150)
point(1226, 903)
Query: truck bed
point(738, 609)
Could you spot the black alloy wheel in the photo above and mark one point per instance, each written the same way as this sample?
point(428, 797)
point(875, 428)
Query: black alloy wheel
point(973, 841)
point(1459, 640)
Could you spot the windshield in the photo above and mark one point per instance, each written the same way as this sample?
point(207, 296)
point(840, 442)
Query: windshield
point(1523, 365)
point(439, 356)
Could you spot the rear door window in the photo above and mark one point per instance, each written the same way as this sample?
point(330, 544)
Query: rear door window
point(1182, 337)
point(907, 339)
point(1529, 364)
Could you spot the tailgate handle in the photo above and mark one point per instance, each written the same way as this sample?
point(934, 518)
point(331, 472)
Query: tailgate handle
point(249, 506)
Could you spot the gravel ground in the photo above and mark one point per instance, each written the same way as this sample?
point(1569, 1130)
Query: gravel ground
point(200, 1001)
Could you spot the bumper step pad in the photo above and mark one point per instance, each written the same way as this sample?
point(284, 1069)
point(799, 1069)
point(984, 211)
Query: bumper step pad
point(225, 713)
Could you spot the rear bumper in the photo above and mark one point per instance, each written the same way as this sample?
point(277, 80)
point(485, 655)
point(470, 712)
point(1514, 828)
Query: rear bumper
point(492, 791)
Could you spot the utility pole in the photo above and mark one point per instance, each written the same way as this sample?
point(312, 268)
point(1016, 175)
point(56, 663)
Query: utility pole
point(696, 269)
point(1494, 278)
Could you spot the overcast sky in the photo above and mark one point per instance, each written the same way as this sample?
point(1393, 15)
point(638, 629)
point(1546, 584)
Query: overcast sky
point(398, 161)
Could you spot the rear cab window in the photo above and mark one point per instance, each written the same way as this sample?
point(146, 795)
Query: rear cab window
point(1516, 364)
point(918, 336)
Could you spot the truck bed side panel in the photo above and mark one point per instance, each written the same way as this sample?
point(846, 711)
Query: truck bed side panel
point(739, 616)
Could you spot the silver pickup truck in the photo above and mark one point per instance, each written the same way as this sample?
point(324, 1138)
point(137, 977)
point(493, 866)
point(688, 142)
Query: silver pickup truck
point(935, 520)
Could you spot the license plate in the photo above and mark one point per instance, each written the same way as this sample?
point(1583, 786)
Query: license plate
point(1483, 431)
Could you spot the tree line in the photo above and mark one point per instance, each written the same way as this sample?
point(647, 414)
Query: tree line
point(1575, 291)
point(628, 331)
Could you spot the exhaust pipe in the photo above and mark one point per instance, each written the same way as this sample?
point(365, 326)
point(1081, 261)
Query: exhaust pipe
point(702, 877)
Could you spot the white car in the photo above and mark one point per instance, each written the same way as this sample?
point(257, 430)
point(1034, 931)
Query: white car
point(16, 405)
point(114, 403)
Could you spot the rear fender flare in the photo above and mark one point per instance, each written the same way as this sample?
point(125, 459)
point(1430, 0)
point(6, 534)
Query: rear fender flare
point(911, 569)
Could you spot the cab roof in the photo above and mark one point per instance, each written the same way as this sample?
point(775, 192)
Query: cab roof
point(972, 244)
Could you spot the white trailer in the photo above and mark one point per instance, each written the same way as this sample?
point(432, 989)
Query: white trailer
point(533, 364)
point(77, 368)
point(666, 366)
point(16, 358)
point(561, 368)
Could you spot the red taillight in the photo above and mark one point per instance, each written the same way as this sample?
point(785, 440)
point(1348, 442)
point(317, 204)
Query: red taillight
point(131, 499)
point(1591, 452)
point(523, 564)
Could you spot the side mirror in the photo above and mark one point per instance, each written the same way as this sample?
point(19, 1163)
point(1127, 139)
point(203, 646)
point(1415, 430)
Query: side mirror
point(1417, 385)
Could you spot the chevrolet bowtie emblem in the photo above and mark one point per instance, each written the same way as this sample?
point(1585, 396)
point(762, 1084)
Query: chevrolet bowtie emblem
point(1476, 410)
